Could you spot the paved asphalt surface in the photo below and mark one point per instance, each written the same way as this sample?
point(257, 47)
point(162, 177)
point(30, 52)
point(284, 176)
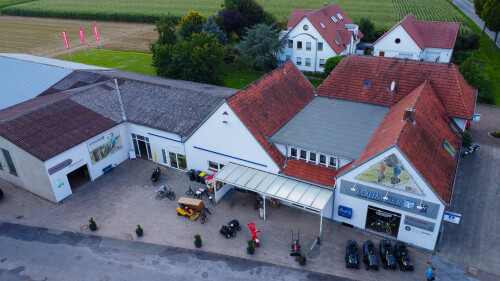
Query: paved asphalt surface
point(468, 8)
point(33, 253)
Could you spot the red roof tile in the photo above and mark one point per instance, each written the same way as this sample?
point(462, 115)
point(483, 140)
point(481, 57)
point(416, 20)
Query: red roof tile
point(310, 172)
point(270, 102)
point(329, 33)
point(421, 142)
point(347, 82)
point(434, 34)
point(54, 128)
point(296, 16)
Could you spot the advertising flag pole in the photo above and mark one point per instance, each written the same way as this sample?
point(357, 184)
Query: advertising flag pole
point(97, 35)
point(83, 40)
point(66, 43)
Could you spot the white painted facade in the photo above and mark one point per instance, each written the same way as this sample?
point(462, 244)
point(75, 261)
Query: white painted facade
point(302, 55)
point(359, 205)
point(407, 48)
point(223, 138)
point(80, 156)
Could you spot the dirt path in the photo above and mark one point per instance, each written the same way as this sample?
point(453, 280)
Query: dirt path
point(43, 37)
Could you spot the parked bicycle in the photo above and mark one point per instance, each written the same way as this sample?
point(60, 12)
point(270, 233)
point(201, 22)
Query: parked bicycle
point(164, 191)
point(203, 215)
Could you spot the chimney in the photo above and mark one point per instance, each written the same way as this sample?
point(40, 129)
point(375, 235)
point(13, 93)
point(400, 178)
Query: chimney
point(326, 4)
point(410, 115)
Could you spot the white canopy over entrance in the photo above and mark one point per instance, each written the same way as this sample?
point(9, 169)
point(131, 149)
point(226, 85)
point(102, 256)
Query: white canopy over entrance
point(301, 194)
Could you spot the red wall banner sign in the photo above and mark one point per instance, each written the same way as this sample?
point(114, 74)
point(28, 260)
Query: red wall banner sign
point(65, 39)
point(81, 36)
point(96, 33)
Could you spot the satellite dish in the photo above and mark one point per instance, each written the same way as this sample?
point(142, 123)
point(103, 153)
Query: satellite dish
point(393, 86)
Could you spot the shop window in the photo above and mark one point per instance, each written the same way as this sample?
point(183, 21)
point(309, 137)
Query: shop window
point(299, 60)
point(312, 157)
point(308, 62)
point(182, 162)
point(322, 159)
point(214, 166)
point(290, 43)
point(383, 221)
point(219, 185)
point(308, 46)
point(9, 161)
point(449, 148)
point(320, 46)
point(303, 154)
point(293, 152)
point(177, 160)
point(299, 45)
point(173, 159)
point(322, 63)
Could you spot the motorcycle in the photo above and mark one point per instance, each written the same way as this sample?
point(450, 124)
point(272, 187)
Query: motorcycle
point(230, 229)
point(470, 150)
point(156, 175)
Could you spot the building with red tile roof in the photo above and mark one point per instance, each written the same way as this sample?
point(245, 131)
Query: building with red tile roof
point(313, 36)
point(418, 40)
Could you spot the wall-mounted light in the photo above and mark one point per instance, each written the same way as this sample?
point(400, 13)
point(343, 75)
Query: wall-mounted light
point(385, 196)
point(225, 122)
point(420, 205)
point(353, 188)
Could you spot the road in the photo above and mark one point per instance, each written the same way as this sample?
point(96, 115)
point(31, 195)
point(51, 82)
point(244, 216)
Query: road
point(33, 253)
point(468, 8)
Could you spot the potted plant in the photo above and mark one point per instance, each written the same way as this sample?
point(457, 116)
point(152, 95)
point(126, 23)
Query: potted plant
point(92, 224)
point(139, 230)
point(302, 259)
point(197, 241)
point(251, 247)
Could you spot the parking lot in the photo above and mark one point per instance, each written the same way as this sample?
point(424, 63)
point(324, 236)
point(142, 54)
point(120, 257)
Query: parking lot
point(125, 198)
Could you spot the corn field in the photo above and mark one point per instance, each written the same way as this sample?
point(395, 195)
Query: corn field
point(384, 13)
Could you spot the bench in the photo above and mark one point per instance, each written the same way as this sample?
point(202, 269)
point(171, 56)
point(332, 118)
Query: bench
point(108, 169)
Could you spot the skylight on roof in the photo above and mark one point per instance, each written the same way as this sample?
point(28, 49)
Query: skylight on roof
point(337, 42)
point(334, 19)
point(322, 25)
point(340, 16)
point(449, 148)
point(366, 84)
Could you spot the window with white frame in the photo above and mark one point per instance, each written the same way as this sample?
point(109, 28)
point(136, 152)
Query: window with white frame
point(322, 159)
point(308, 46)
point(333, 162)
point(214, 166)
point(299, 61)
point(320, 46)
point(290, 43)
point(303, 154)
point(308, 62)
point(313, 157)
point(299, 45)
point(321, 62)
point(293, 152)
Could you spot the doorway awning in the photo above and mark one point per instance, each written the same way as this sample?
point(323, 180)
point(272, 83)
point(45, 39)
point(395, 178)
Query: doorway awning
point(307, 195)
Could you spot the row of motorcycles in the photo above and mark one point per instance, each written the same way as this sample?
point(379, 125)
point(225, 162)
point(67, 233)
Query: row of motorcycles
point(388, 257)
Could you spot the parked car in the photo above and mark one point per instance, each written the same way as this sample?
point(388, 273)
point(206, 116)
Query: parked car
point(402, 257)
point(388, 260)
point(370, 255)
point(351, 254)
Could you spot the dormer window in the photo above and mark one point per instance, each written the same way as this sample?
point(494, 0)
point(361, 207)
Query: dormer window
point(303, 154)
point(322, 25)
point(340, 16)
point(293, 152)
point(334, 19)
point(314, 157)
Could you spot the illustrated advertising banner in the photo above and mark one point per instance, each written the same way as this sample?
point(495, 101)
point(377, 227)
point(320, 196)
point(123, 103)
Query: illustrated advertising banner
point(391, 173)
point(104, 145)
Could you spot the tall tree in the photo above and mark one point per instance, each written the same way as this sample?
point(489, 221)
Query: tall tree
point(191, 23)
point(368, 28)
point(197, 58)
point(478, 6)
point(260, 45)
point(211, 27)
point(491, 16)
point(250, 9)
point(232, 21)
point(166, 34)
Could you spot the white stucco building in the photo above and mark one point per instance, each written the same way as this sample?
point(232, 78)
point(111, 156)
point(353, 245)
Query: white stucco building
point(418, 40)
point(313, 36)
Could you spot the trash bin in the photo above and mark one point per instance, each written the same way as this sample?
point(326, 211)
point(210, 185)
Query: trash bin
point(197, 176)
point(191, 175)
point(202, 175)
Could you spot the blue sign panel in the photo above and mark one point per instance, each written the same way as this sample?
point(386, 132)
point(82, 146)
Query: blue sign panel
point(345, 212)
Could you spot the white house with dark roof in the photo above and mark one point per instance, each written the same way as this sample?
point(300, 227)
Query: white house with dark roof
point(418, 40)
point(313, 36)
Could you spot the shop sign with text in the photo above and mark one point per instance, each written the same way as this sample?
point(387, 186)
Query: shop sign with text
point(345, 212)
point(60, 166)
point(420, 223)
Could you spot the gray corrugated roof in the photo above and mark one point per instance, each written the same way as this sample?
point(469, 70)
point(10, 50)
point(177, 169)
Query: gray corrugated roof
point(332, 126)
point(52, 62)
point(21, 81)
point(176, 110)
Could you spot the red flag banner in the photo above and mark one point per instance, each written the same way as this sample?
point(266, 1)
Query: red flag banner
point(65, 39)
point(96, 33)
point(81, 36)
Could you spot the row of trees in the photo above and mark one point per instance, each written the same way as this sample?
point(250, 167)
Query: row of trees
point(200, 48)
point(489, 12)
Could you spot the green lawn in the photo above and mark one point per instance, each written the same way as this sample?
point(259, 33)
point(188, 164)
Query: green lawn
point(130, 61)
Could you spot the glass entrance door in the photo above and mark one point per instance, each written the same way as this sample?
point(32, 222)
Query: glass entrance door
point(141, 146)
